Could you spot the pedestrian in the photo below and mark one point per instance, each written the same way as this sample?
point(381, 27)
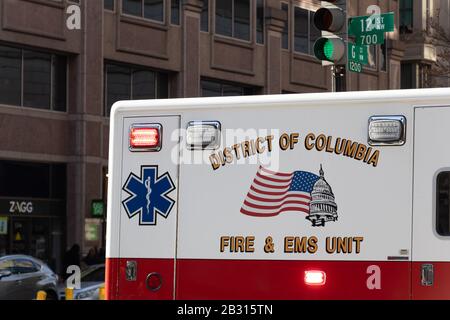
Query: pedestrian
point(71, 257)
point(101, 256)
point(91, 257)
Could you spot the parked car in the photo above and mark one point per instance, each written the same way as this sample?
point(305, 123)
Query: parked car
point(92, 279)
point(21, 277)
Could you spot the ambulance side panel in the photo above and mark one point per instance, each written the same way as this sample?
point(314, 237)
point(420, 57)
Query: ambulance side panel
point(293, 191)
point(374, 205)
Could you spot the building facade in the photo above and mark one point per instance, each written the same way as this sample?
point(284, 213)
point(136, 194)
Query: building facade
point(423, 51)
point(64, 63)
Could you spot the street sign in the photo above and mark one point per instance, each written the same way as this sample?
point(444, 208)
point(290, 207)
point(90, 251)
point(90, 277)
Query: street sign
point(375, 24)
point(358, 53)
point(98, 208)
point(370, 39)
point(357, 57)
point(92, 229)
point(355, 66)
point(370, 30)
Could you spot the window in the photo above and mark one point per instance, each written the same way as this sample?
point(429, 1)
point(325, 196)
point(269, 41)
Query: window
point(260, 21)
point(314, 33)
point(414, 75)
point(372, 57)
point(378, 57)
point(33, 79)
point(175, 10)
point(305, 32)
point(285, 35)
point(233, 18)
point(149, 9)
point(48, 180)
point(22, 266)
point(204, 17)
point(383, 56)
point(59, 82)
point(126, 82)
point(36, 79)
point(443, 204)
point(133, 7)
point(407, 76)
point(143, 84)
point(7, 265)
point(108, 5)
point(301, 30)
point(10, 76)
point(96, 275)
point(406, 16)
point(216, 89)
point(118, 85)
point(154, 9)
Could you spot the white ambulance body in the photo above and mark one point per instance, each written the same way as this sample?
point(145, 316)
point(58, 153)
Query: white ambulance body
point(312, 196)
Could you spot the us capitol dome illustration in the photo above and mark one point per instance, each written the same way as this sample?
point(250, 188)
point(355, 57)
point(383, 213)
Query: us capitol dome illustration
point(322, 207)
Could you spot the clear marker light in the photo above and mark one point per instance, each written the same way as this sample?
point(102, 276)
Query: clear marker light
point(386, 129)
point(203, 135)
point(315, 278)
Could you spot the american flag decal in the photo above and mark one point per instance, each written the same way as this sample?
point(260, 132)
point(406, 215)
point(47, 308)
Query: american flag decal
point(273, 193)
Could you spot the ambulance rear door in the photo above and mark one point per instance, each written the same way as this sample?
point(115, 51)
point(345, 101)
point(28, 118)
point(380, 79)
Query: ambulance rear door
point(148, 207)
point(431, 226)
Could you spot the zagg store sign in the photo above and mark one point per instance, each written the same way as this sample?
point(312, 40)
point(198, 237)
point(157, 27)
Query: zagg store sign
point(20, 207)
point(32, 207)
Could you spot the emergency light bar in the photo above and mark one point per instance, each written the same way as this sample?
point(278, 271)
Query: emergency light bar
point(145, 137)
point(387, 130)
point(203, 135)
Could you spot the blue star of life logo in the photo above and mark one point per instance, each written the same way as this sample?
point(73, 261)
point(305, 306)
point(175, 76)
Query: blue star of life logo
point(148, 195)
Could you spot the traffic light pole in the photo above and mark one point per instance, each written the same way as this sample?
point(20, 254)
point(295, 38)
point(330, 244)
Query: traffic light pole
point(333, 78)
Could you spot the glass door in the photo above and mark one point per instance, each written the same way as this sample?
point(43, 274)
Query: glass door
point(4, 235)
point(40, 235)
point(20, 236)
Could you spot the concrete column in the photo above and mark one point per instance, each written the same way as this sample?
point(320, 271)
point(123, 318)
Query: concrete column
point(190, 74)
point(275, 20)
point(86, 108)
point(396, 50)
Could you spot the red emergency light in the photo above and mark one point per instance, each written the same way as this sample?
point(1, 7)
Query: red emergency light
point(315, 278)
point(145, 137)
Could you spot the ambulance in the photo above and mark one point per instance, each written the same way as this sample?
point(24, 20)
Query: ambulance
point(302, 196)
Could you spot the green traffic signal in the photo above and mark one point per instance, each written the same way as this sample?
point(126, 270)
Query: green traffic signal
point(318, 49)
point(331, 20)
point(329, 49)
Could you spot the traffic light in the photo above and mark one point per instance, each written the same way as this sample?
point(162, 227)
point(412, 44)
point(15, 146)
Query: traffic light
point(330, 19)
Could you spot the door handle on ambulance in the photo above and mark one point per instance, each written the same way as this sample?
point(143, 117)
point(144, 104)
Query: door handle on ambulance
point(427, 275)
point(131, 271)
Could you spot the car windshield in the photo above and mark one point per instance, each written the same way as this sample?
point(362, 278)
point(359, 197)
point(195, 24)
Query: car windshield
point(97, 275)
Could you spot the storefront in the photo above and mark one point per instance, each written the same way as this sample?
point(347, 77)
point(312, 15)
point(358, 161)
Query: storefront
point(32, 218)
